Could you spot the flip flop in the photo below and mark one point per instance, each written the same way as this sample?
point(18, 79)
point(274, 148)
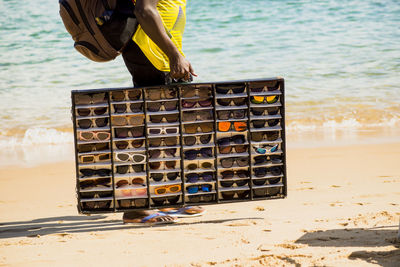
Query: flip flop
point(184, 212)
point(148, 220)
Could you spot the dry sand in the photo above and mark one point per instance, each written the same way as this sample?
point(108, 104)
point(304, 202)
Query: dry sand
point(342, 210)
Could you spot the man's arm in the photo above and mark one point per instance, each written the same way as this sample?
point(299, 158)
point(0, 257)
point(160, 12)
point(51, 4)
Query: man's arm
point(150, 20)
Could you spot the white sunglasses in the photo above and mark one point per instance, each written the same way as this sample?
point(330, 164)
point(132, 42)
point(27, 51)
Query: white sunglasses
point(162, 130)
point(126, 156)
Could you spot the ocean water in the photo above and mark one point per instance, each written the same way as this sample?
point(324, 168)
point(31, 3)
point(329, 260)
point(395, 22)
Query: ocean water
point(340, 61)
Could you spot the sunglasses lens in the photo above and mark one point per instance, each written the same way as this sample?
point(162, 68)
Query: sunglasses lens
point(260, 160)
point(192, 178)
point(121, 132)
point(121, 144)
point(83, 100)
point(157, 176)
point(101, 122)
point(275, 171)
point(206, 187)
point(191, 129)
point(259, 181)
point(227, 163)
point(258, 111)
point(154, 142)
point(192, 166)
point(171, 105)
point(189, 116)
point(239, 114)
point(171, 130)
point(154, 94)
point(272, 99)
point(208, 176)
point(169, 93)
point(240, 149)
point(172, 176)
point(119, 121)
point(155, 165)
point(224, 126)
point(136, 107)
point(170, 164)
point(138, 168)
point(225, 149)
point(223, 114)
point(205, 103)
point(206, 127)
point(86, 136)
point(272, 136)
point(241, 182)
point(83, 111)
point(242, 173)
point(188, 104)
point(118, 96)
point(87, 172)
point(241, 162)
point(154, 106)
point(258, 123)
point(273, 123)
point(137, 131)
point(206, 152)
point(239, 101)
point(224, 102)
point(136, 120)
point(123, 157)
point(240, 126)
point(103, 172)
point(138, 158)
point(260, 172)
point(134, 94)
point(205, 139)
point(188, 92)
point(154, 153)
point(227, 174)
point(190, 154)
point(100, 111)
point(189, 140)
point(84, 124)
point(257, 137)
point(228, 195)
point(171, 141)
point(222, 89)
point(238, 139)
point(272, 110)
point(206, 165)
point(192, 189)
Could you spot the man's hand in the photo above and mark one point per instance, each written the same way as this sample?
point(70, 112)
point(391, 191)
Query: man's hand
point(180, 67)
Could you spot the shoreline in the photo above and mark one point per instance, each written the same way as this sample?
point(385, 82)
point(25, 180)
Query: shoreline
point(342, 209)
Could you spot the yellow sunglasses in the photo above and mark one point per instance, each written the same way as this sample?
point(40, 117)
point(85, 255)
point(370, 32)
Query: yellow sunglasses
point(261, 99)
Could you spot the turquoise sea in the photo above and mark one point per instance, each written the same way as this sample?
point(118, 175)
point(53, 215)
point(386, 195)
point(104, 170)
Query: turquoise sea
point(340, 60)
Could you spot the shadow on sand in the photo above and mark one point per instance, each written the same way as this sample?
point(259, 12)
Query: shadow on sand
point(81, 224)
point(374, 237)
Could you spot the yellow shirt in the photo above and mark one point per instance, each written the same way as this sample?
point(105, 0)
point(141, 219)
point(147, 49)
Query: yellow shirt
point(173, 16)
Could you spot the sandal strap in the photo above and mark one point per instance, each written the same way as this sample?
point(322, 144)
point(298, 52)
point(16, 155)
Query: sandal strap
point(151, 216)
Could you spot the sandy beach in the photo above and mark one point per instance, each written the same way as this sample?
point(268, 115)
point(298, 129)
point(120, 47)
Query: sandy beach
point(342, 209)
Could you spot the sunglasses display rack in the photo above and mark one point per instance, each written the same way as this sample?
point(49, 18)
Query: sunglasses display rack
point(172, 145)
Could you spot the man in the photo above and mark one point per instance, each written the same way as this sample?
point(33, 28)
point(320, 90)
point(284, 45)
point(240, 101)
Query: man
point(152, 56)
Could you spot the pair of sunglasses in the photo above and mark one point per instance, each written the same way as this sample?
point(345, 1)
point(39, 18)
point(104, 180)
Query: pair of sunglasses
point(125, 183)
point(165, 189)
point(135, 190)
point(260, 182)
point(132, 120)
point(206, 152)
point(161, 200)
point(91, 112)
point(131, 143)
point(87, 123)
point(97, 194)
point(259, 136)
point(239, 173)
point(241, 194)
point(167, 141)
point(225, 89)
point(87, 99)
point(263, 192)
point(231, 114)
point(133, 107)
point(123, 169)
point(164, 117)
point(228, 149)
point(130, 156)
point(263, 171)
point(193, 103)
point(202, 91)
point(128, 203)
point(195, 177)
point(156, 153)
point(240, 161)
point(157, 177)
point(201, 198)
point(167, 164)
point(264, 99)
point(161, 93)
point(261, 111)
point(201, 115)
point(228, 101)
point(236, 139)
point(95, 158)
point(163, 130)
point(119, 96)
point(231, 183)
point(193, 189)
point(84, 148)
point(239, 126)
point(168, 106)
point(192, 140)
point(94, 183)
point(96, 205)
point(91, 172)
point(261, 123)
point(262, 87)
point(258, 160)
point(134, 131)
point(203, 165)
point(98, 136)
point(264, 149)
point(204, 127)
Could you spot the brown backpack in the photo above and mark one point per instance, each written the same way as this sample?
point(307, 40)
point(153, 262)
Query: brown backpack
point(84, 20)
